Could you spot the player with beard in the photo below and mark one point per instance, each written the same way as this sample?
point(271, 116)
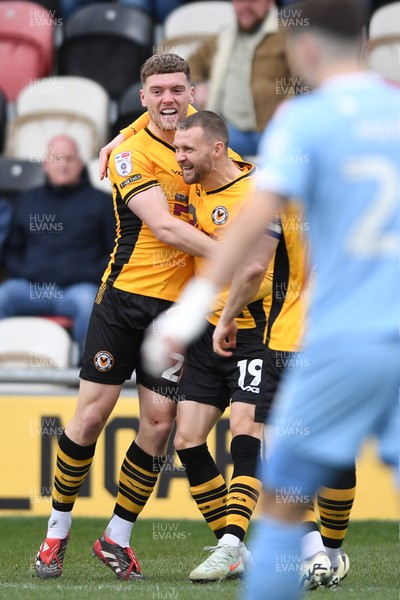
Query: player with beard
point(209, 384)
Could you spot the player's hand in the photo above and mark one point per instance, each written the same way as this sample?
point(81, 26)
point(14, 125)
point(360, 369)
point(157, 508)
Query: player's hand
point(160, 348)
point(105, 152)
point(104, 155)
point(224, 337)
point(177, 327)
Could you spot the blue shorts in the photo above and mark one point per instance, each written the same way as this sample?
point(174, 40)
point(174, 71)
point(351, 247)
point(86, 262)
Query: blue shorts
point(334, 398)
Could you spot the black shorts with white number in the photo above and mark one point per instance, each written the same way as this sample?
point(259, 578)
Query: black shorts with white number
point(275, 363)
point(211, 379)
point(115, 335)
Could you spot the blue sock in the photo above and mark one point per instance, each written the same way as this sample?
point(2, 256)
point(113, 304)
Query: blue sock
point(276, 549)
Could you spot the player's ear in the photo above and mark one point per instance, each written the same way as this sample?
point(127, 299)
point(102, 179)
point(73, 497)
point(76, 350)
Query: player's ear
point(142, 97)
point(219, 148)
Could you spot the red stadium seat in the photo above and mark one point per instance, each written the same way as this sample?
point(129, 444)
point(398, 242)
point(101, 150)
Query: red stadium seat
point(3, 119)
point(26, 45)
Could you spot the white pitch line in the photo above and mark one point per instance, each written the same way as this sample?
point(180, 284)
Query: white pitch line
point(64, 586)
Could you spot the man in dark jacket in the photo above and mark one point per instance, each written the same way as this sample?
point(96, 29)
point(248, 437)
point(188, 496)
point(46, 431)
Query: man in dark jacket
point(61, 237)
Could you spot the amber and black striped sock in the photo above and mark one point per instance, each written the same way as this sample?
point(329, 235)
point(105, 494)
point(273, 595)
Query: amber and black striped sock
point(137, 479)
point(335, 506)
point(244, 488)
point(207, 486)
point(73, 464)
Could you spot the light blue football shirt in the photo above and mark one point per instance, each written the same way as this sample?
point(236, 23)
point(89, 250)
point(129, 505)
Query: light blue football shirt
point(338, 150)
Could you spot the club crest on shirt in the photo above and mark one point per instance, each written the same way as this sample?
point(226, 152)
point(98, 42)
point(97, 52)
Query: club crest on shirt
point(219, 215)
point(103, 361)
point(123, 163)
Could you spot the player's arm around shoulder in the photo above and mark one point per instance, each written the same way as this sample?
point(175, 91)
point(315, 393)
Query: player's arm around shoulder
point(132, 174)
point(152, 208)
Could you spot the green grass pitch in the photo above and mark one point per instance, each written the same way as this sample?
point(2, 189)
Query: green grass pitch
point(167, 551)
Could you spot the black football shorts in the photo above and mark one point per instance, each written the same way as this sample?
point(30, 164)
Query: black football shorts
point(211, 379)
point(275, 363)
point(114, 338)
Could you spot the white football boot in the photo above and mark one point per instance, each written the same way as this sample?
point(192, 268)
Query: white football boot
point(224, 562)
point(316, 571)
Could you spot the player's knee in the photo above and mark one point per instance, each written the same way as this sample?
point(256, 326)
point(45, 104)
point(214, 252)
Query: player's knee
point(246, 427)
point(85, 429)
point(163, 430)
point(182, 441)
point(93, 424)
point(158, 426)
point(187, 439)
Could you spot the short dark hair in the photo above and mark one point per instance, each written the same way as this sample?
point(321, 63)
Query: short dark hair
point(342, 18)
point(213, 126)
point(158, 64)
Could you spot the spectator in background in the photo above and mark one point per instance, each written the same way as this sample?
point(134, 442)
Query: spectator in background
point(242, 74)
point(61, 236)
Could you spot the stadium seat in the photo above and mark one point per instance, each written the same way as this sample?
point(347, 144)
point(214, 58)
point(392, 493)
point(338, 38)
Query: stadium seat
point(190, 25)
point(65, 322)
point(54, 8)
point(18, 175)
point(33, 342)
point(26, 45)
point(383, 47)
point(75, 106)
point(108, 43)
point(129, 108)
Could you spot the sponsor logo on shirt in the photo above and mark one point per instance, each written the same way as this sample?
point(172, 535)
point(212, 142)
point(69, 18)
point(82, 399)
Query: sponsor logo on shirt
point(123, 163)
point(131, 179)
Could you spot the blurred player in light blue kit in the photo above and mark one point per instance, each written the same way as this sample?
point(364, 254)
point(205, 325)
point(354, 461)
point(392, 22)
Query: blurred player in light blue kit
point(337, 149)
